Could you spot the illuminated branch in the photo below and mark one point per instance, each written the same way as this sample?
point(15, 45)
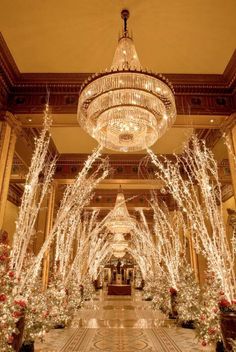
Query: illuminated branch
point(193, 181)
point(170, 232)
point(75, 197)
point(36, 187)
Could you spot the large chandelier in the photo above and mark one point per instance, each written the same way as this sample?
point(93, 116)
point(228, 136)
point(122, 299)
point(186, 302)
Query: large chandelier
point(126, 108)
point(119, 220)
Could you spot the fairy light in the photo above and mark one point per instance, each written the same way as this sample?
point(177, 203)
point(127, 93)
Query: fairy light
point(33, 195)
point(170, 247)
point(76, 196)
point(199, 192)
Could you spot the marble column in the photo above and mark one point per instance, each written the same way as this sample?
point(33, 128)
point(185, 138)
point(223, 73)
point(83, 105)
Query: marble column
point(231, 134)
point(8, 134)
point(194, 259)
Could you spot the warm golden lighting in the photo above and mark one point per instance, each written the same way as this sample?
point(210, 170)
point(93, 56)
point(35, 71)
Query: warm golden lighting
point(126, 108)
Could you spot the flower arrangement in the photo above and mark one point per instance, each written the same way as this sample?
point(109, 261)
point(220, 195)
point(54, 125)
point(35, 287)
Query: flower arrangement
point(225, 306)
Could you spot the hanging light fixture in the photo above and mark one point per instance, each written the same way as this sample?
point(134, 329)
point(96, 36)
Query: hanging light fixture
point(119, 221)
point(119, 244)
point(119, 254)
point(126, 108)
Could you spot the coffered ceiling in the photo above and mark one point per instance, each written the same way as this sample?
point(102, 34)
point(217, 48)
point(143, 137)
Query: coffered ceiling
point(80, 36)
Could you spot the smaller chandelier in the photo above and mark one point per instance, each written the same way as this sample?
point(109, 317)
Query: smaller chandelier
point(126, 108)
point(119, 221)
point(119, 244)
point(119, 254)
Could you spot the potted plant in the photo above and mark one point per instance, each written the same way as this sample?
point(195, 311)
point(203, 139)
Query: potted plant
point(228, 322)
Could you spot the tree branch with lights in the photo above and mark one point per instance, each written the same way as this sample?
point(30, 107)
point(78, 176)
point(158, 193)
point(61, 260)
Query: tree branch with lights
point(193, 181)
point(36, 187)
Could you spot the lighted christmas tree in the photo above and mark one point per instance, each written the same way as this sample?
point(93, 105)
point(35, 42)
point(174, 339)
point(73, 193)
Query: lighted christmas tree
point(188, 296)
point(37, 317)
point(208, 325)
point(12, 307)
point(161, 299)
point(57, 302)
point(88, 288)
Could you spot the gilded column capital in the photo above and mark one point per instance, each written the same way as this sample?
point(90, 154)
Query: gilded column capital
point(232, 217)
point(229, 123)
point(13, 122)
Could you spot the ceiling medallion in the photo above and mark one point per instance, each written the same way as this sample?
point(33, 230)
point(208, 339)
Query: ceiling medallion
point(126, 108)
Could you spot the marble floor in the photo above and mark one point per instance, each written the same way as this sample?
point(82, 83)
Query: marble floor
point(119, 324)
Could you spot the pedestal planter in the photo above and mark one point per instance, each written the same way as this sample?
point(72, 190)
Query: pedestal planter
point(189, 324)
point(228, 329)
point(220, 347)
point(17, 338)
point(173, 302)
point(27, 346)
point(59, 326)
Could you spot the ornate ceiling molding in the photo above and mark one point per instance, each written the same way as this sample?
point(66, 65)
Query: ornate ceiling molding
point(207, 94)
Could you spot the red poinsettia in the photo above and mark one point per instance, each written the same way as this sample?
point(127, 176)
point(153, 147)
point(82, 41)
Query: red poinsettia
point(211, 331)
point(224, 303)
point(17, 314)
point(3, 297)
point(11, 274)
point(226, 306)
point(20, 303)
point(10, 339)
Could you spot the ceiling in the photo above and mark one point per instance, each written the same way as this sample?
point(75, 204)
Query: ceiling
point(80, 36)
point(70, 138)
point(76, 140)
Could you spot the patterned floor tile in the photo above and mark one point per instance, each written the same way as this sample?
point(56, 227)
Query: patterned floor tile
point(120, 324)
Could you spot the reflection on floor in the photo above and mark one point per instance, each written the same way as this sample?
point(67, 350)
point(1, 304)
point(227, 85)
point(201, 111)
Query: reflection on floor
point(119, 324)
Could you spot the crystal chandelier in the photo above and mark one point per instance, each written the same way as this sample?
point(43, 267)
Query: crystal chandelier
point(119, 254)
point(126, 108)
point(119, 244)
point(119, 221)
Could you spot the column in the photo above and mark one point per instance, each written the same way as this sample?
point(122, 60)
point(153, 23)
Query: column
point(231, 134)
point(48, 227)
point(8, 135)
point(193, 259)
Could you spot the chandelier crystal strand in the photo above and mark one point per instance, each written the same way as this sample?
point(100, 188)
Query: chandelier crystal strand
point(126, 108)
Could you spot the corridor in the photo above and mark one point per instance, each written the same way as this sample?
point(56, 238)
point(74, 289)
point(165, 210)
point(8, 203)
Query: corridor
point(119, 324)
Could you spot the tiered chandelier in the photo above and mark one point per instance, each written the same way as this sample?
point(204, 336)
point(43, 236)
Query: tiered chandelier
point(119, 245)
point(119, 220)
point(126, 108)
